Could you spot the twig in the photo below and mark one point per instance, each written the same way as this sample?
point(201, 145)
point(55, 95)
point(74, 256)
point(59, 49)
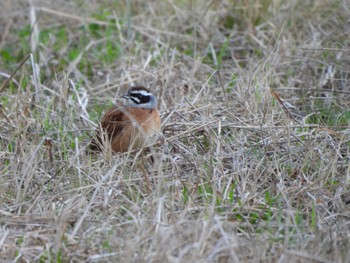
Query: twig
point(9, 79)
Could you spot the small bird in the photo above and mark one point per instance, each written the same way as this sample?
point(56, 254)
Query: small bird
point(130, 126)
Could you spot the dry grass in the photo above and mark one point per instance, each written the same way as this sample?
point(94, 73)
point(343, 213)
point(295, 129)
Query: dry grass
point(255, 106)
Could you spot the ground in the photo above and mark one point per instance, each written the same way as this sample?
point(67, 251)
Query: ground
point(253, 164)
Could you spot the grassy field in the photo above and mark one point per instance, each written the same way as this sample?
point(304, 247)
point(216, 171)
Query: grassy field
point(254, 98)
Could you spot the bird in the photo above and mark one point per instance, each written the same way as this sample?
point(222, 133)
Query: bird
point(133, 125)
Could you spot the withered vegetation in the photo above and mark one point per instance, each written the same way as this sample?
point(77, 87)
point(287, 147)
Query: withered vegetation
point(254, 164)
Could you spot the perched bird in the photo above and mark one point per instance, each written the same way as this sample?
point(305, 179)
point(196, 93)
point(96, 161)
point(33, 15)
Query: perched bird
point(130, 126)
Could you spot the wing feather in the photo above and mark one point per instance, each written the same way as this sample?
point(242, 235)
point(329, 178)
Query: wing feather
point(113, 122)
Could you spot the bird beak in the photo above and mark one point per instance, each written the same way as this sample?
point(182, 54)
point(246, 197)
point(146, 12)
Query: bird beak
point(126, 96)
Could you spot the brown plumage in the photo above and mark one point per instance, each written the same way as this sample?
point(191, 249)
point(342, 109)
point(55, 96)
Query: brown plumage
point(130, 126)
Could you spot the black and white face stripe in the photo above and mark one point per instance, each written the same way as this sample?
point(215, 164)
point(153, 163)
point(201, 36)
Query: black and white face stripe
point(140, 97)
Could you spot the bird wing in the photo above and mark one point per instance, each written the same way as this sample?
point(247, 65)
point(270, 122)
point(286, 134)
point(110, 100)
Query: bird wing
point(113, 122)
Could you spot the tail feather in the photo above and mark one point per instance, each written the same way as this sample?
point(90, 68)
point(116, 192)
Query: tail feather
point(95, 144)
